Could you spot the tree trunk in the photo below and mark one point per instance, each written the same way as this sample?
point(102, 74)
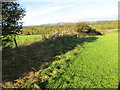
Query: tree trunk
point(15, 42)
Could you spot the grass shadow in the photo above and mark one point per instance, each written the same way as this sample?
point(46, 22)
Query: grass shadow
point(18, 62)
point(119, 86)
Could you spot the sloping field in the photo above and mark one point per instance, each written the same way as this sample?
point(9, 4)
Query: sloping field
point(93, 66)
point(89, 62)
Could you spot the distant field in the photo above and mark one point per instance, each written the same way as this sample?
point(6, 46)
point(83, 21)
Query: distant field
point(104, 25)
point(69, 27)
point(27, 39)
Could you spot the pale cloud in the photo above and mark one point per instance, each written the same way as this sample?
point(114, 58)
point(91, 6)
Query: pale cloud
point(38, 12)
point(67, 0)
point(35, 16)
point(85, 16)
point(56, 0)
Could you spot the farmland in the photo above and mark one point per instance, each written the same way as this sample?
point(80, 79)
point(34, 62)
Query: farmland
point(63, 44)
point(64, 61)
point(94, 66)
point(26, 39)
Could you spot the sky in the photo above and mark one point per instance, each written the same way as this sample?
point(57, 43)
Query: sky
point(40, 12)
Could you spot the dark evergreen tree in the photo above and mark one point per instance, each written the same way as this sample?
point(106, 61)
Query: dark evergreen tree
point(12, 13)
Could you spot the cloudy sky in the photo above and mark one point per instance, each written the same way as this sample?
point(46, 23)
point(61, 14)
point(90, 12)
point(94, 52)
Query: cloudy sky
point(53, 11)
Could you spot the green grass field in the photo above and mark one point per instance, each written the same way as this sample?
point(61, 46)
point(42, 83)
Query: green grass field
point(24, 40)
point(88, 62)
point(27, 39)
point(93, 66)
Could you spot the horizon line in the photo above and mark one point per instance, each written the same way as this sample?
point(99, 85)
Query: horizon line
point(68, 22)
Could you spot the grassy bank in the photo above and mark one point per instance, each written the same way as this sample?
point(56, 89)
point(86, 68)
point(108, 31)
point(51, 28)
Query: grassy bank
point(94, 66)
point(90, 62)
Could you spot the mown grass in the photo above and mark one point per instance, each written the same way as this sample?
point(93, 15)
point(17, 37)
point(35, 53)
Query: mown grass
point(90, 62)
point(94, 66)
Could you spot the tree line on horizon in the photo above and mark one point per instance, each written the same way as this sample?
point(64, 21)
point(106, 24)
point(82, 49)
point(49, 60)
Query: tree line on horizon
point(69, 28)
point(105, 25)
